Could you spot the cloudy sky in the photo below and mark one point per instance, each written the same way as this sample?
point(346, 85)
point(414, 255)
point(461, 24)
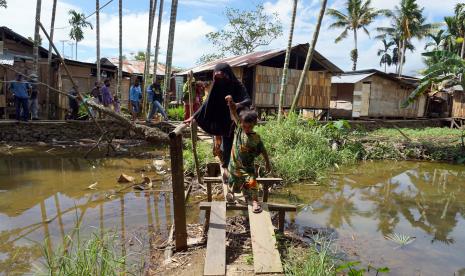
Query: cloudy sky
point(198, 17)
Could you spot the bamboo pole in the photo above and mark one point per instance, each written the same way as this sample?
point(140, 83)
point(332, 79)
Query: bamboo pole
point(193, 128)
point(308, 59)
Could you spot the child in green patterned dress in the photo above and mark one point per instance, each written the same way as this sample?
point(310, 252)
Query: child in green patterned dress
point(247, 146)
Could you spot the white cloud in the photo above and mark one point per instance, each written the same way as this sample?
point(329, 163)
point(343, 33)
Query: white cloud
point(189, 36)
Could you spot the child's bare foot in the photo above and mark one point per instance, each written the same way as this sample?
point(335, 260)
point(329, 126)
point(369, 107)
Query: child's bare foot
point(256, 208)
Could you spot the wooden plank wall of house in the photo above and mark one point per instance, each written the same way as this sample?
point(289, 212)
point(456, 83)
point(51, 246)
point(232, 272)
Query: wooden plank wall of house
point(458, 105)
point(316, 93)
point(381, 97)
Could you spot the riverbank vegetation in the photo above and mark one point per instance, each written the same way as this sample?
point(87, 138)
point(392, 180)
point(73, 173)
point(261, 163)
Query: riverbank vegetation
point(307, 150)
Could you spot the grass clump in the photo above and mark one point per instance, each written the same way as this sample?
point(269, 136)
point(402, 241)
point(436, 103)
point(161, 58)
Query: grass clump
point(95, 256)
point(176, 113)
point(204, 153)
point(316, 260)
point(305, 150)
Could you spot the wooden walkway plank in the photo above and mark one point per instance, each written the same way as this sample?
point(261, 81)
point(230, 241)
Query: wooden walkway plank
point(265, 253)
point(215, 260)
point(242, 207)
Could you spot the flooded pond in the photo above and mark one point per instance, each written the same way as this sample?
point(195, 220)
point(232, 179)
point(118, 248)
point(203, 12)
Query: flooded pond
point(45, 197)
point(365, 203)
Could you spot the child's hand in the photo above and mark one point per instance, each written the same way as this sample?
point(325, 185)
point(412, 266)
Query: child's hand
point(229, 99)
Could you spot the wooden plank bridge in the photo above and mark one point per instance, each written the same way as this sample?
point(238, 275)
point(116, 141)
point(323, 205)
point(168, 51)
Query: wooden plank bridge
point(266, 256)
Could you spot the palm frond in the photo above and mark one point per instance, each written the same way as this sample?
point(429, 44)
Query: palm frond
point(401, 239)
point(342, 36)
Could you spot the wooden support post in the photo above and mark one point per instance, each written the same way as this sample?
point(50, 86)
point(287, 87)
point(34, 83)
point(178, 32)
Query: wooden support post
point(177, 173)
point(266, 189)
point(281, 218)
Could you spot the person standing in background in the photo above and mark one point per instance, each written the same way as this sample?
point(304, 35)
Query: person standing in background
point(19, 90)
point(34, 99)
point(73, 103)
point(135, 96)
point(107, 99)
point(155, 98)
point(96, 92)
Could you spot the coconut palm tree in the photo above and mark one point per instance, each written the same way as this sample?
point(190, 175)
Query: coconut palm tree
point(385, 55)
point(78, 22)
point(37, 38)
point(286, 61)
point(49, 60)
point(408, 21)
point(396, 52)
point(97, 28)
point(157, 43)
point(120, 48)
point(460, 23)
point(358, 15)
point(152, 8)
point(308, 59)
point(169, 48)
point(437, 40)
point(451, 35)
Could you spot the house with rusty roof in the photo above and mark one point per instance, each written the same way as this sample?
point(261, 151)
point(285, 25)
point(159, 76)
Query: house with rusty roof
point(261, 74)
point(374, 94)
point(135, 67)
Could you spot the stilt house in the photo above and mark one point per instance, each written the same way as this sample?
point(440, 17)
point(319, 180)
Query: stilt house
point(261, 74)
point(373, 94)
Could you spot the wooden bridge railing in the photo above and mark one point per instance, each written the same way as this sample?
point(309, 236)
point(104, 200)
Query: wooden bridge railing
point(177, 172)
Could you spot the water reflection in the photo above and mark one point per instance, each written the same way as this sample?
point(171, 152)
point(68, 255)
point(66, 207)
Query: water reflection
point(45, 197)
point(368, 202)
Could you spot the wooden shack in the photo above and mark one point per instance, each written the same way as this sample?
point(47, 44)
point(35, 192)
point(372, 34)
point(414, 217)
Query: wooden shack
point(16, 55)
point(261, 74)
point(373, 94)
point(458, 103)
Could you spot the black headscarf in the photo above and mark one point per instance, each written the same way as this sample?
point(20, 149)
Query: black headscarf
point(213, 116)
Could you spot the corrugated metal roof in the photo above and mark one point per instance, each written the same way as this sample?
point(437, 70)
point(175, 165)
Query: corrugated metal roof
point(352, 78)
point(137, 66)
point(258, 57)
point(7, 59)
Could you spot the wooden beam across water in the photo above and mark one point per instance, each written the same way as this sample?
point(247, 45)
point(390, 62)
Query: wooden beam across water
point(215, 260)
point(266, 256)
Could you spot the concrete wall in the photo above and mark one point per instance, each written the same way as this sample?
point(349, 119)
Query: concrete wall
point(46, 131)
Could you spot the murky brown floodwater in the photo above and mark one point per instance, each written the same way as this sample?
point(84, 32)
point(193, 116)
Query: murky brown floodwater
point(44, 197)
point(369, 201)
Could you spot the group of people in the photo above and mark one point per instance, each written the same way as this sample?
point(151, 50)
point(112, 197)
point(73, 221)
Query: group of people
point(25, 94)
point(227, 114)
point(154, 99)
point(99, 94)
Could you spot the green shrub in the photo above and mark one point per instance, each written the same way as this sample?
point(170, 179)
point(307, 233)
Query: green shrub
point(304, 150)
point(176, 113)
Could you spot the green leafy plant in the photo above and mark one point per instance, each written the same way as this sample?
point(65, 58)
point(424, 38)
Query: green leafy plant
point(352, 269)
point(176, 113)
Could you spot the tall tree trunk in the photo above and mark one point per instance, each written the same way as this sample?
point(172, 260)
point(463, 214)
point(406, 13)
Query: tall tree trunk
point(157, 44)
point(402, 58)
point(49, 61)
point(152, 9)
point(355, 51)
point(462, 51)
point(75, 57)
point(286, 61)
point(37, 39)
point(97, 23)
point(120, 46)
point(308, 59)
point(169, 49)
point(385, 67)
